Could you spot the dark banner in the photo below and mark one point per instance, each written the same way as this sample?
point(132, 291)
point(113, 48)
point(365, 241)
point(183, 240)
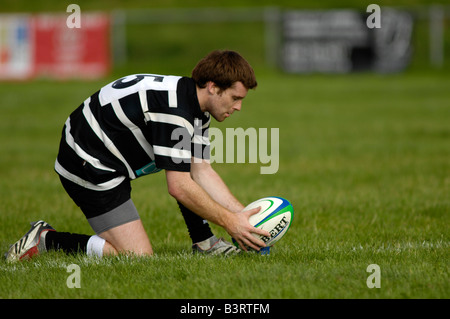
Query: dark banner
point(343, 41)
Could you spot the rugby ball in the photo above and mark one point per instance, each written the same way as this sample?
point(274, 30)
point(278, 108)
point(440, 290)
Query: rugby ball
point(275, 216)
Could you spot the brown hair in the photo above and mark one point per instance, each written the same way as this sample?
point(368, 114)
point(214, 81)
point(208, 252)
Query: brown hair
point(224, 68)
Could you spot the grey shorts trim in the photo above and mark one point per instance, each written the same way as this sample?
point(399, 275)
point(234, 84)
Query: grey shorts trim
point(120, 215)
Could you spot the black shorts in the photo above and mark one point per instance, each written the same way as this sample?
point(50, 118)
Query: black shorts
point(103, 209)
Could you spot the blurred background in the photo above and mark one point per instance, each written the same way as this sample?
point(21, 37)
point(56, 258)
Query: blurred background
point(363, 116)
point(168, 37)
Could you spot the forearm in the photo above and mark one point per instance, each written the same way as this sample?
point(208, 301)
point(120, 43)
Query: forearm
point(195, 198)
point(213, 184)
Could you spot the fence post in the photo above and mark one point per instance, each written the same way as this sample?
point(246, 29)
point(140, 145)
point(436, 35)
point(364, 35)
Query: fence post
point(436, 17)
point(119, 37)
point(272, 18)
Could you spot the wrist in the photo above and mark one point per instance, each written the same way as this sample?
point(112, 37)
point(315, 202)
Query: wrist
point(225, 218)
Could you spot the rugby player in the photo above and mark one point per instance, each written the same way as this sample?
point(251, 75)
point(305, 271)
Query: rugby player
point(139, 125)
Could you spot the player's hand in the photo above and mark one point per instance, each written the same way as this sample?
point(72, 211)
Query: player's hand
point(240, 229)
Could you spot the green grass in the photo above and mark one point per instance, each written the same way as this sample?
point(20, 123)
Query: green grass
point(364, 159)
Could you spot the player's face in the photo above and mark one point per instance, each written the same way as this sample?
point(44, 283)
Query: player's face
point(224, 103)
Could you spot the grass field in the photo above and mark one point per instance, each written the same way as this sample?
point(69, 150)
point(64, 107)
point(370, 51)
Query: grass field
point(364, 159)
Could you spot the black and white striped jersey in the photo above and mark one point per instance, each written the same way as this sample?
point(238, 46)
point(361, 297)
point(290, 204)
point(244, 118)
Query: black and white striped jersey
point(134, 126)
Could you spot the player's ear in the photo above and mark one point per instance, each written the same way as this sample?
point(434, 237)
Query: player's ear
point(212, 88)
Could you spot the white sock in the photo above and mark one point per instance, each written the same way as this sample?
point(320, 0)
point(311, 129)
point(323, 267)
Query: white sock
point(95, 246)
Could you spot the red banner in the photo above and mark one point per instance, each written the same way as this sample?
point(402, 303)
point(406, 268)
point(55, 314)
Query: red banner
point(65, 52)
point(44, 46)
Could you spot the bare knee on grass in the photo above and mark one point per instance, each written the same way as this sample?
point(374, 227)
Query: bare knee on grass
point(129, 238)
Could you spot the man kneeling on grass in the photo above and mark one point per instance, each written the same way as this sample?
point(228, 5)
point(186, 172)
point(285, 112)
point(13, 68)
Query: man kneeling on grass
point(136, 126)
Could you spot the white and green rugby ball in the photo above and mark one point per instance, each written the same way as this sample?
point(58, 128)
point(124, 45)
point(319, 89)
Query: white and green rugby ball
point(275, 216)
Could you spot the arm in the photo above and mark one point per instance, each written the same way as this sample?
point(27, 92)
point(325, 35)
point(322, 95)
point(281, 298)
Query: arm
point(204, 175)
point(184, 189)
